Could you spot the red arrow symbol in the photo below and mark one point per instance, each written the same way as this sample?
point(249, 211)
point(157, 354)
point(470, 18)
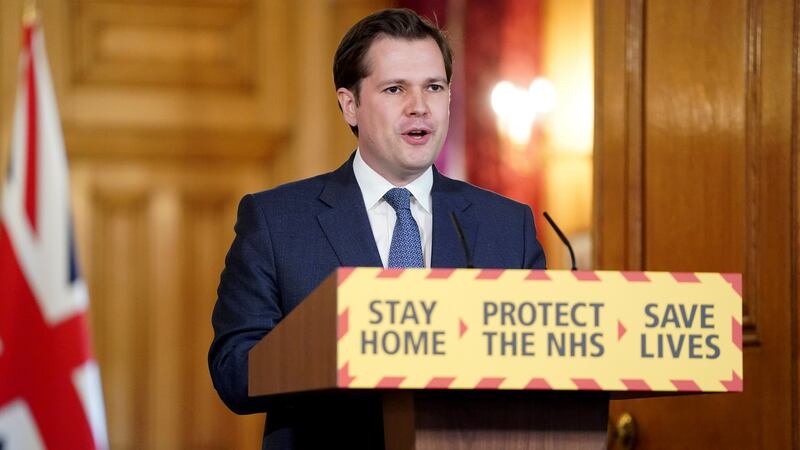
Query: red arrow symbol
point(621, 330)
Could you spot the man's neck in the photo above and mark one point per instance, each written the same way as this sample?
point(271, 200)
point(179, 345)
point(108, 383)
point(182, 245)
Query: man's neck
point(373, 185)
point(397, 180)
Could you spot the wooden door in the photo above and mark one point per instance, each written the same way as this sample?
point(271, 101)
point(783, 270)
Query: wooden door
point(696, 169)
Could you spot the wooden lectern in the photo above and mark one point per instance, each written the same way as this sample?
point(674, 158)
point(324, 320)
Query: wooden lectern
point(422, 409)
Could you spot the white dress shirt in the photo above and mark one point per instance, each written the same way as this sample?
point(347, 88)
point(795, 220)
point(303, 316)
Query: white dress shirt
point(382, 216)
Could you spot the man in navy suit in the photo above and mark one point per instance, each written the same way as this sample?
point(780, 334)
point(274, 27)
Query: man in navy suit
point(386, 206)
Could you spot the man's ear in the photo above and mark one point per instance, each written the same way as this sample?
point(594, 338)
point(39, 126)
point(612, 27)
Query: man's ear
point(347, 101)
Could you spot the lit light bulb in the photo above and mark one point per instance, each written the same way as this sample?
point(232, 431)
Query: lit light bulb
point(503, 97)
point(517, 108)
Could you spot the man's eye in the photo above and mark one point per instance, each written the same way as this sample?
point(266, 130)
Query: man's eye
point(392, 89)
point(436, 88)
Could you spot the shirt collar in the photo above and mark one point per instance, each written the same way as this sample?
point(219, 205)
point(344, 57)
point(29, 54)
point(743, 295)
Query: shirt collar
point(373, 185)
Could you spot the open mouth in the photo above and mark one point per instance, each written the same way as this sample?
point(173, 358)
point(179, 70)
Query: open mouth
point(418, 134)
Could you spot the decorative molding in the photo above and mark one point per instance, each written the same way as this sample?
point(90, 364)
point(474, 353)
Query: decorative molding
point(753, 126)
point(598, 214)
point(206, 231)
point(118, 198)
point(190, 45)
point(168, 143)
point(117, 284)
point(795, 228)
point(634, 109)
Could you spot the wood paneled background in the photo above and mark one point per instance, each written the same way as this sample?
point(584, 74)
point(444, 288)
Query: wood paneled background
point(172, 110)
point(696, 169)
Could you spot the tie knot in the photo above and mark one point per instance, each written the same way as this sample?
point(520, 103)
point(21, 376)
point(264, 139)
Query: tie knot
point(398, 198)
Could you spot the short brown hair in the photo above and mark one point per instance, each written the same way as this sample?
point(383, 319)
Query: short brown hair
point(349, 65)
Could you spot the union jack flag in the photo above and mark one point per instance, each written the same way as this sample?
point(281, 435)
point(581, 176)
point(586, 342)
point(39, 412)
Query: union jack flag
point(50, 395)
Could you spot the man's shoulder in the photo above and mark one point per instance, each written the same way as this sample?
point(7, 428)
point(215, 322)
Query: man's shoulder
point(300, 190)
point(478, 196)
point(307, 191)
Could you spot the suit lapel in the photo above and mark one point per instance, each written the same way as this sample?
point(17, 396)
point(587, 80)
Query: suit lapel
point(447, 250)
point(347, 228)
point(346, 224)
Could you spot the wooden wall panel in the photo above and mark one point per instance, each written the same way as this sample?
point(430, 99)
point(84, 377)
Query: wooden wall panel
point(696, 143)
point(204, 249)
point(772, 130)
point(118, 312)
point(711, 90)
point(617, 140)
point(198, 46)
point(165, 374)
point(694, 151)
point(160, 230)
point(172, 110)
point(181, 64)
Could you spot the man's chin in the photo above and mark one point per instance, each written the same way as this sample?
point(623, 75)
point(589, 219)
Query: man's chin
point(417, 167)
point(424, 152)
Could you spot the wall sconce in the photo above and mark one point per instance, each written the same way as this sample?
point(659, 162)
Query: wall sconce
point(518, 108)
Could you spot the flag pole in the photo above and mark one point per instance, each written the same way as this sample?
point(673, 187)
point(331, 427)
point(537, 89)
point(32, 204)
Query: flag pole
point(30, 13)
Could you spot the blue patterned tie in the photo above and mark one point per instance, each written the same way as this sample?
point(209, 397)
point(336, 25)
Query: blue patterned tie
point(406, 248)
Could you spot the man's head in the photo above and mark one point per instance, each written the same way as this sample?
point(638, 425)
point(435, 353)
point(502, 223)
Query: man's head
point(392, 73)
point(350, 65)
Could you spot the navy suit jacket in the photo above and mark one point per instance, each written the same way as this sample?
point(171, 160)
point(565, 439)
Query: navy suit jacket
point(289, 239)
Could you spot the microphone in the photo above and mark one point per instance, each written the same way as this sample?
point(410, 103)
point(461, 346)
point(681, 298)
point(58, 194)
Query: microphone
point(562, 237)
point(462, 239)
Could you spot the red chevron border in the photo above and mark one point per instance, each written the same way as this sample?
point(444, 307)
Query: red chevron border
point(735, 384)
point(390, 273)
point(343, 323)
point(636, 277)
point(686, 385)
point(342, 274)
point(539, 384)
point(636, 384)
point(489, 274)
point(585, 275)
point(440, 382)
point(390, 382)
point(735, 279)
point(586, 384)
point(440, 274)
point(538, 275)
point(490, 383)
point(685, 277)
point(343, 378)
point(736, 333)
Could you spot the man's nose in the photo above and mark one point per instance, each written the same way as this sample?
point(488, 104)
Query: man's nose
point(416, 104)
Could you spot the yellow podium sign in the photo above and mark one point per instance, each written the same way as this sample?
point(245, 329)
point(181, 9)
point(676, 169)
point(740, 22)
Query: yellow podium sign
point(531, 329)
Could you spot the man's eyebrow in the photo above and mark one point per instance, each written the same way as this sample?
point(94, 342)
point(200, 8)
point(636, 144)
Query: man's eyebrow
point(403, 82)
point(394, 81)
